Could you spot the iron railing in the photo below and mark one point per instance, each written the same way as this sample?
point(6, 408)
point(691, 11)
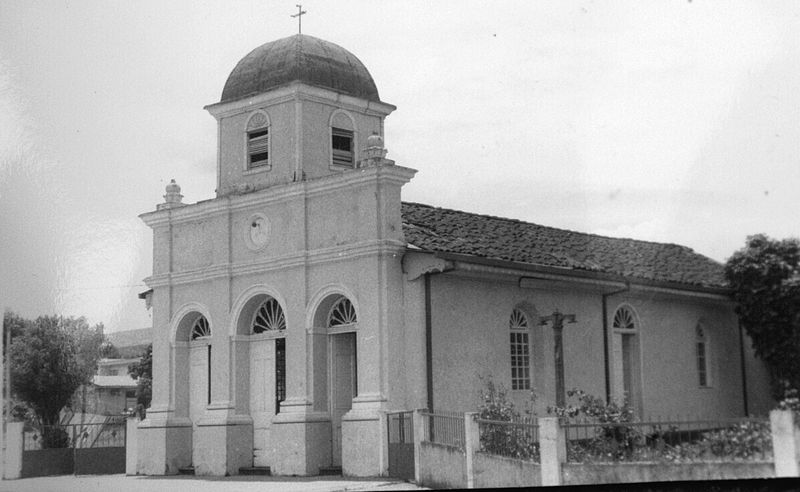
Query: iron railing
point(511, 439)
point(741, 439)
point(446, 428)
point(110, 433)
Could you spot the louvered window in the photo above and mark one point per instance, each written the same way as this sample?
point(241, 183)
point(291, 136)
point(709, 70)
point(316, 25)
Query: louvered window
point(258, 148)
point(342, 147)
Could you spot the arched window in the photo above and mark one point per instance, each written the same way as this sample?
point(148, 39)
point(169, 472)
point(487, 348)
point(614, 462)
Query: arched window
point(269, 317)
point(520, 351)
point(258, 142)
point(200, 328)
point(623, 319)
point(626, 356)
point(342, 313)
point(701, 351)
point(342, 140)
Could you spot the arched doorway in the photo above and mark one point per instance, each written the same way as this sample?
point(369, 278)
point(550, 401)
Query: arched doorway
point(262, 327)
point(199, 367)
point(341, 322)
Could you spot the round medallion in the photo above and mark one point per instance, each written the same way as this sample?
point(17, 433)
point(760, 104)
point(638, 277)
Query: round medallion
point(257, 231)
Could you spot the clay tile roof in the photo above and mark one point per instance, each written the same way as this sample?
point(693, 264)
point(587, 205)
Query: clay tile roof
point(453, 231)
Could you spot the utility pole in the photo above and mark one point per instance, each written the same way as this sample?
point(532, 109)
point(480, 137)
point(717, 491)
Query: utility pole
point(558, 320)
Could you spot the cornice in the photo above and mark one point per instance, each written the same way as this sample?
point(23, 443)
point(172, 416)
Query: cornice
point(214, 207)
point(303, 92)
point(323, 255)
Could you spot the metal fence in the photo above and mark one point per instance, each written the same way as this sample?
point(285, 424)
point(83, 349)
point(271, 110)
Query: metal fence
point(446, 428)
point(515, 439)
point(743, 439)
point(89, 435)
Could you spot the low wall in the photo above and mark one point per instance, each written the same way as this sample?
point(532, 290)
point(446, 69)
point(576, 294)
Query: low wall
point(496, 471)
point(582, 473)
point(44, 462)
point(442, 467)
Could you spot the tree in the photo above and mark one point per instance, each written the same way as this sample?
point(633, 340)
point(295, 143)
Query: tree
point(765, 278)
point(50, 359)
point(143, 372)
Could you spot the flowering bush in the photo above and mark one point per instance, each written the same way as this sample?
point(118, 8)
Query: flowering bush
point(516, 441)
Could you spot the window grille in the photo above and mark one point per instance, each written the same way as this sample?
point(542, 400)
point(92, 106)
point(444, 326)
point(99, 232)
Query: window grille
point(702, 356)
point(342, 313)
point(269, 317)
point(520, 351)
point(280, 372)
point(342, 147)
point(200, 328)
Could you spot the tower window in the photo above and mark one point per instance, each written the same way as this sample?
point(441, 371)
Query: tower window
point(342, 147)
point(258, 148)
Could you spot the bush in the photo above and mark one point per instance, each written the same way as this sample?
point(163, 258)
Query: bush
point(54, 437)
point(506, 440)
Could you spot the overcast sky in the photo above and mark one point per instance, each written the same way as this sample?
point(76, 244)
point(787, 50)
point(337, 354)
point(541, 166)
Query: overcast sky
point(671, 121)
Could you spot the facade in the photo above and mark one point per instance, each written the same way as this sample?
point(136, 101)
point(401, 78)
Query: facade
point(306, 298)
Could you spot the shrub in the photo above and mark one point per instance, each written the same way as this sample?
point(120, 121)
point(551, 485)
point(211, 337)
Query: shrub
point(506, 440)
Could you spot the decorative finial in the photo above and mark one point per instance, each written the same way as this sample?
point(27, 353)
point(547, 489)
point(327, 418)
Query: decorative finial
point(374, 154)
point(173, 197)
point(299, 16)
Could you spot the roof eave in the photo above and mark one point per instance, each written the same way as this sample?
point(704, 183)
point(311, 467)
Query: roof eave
point(722, 292)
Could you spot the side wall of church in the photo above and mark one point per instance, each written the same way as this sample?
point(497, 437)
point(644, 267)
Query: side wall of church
point(470, 328)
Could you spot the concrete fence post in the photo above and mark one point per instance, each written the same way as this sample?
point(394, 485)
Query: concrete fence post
point(383, 458)
point(472, 444)
point(14, 440)
point(416, 420)
point(552, 450)
point(785, 443)
point(131, 444)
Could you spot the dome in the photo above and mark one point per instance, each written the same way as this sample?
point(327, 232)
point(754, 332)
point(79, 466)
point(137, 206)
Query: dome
point(303, 59)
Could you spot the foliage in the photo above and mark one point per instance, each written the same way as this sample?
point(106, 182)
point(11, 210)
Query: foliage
point(742, 441)
point(517, 441)
point(49, 360)
point(143, 372)
point(109, 351)
point(765, 278)
point(54, 437)
point(615, 440)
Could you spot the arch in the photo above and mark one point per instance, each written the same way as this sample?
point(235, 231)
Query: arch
point(246, 304)
point(323, 301)
point(181, 324)
point(258, 119)
point(625, 318)
point(342, 119)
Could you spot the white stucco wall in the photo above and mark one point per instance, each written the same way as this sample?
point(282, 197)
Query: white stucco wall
point(471, 340)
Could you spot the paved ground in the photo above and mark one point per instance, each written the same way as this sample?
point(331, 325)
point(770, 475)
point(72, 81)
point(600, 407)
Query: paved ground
point(122, 483)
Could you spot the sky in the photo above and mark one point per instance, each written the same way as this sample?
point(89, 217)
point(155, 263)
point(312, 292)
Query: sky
point(670, 121)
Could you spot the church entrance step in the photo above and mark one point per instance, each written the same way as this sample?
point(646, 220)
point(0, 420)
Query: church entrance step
point(331, 470)
point(186, 470)
point(254, 470)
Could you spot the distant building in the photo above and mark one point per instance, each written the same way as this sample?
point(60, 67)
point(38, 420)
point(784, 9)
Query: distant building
point(306, 298)
point(113, 390)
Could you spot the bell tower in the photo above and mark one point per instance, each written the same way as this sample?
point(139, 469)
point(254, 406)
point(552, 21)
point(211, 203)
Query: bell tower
point(291, 110)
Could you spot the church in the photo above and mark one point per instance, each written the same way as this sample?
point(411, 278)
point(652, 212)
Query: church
point(307, 298)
